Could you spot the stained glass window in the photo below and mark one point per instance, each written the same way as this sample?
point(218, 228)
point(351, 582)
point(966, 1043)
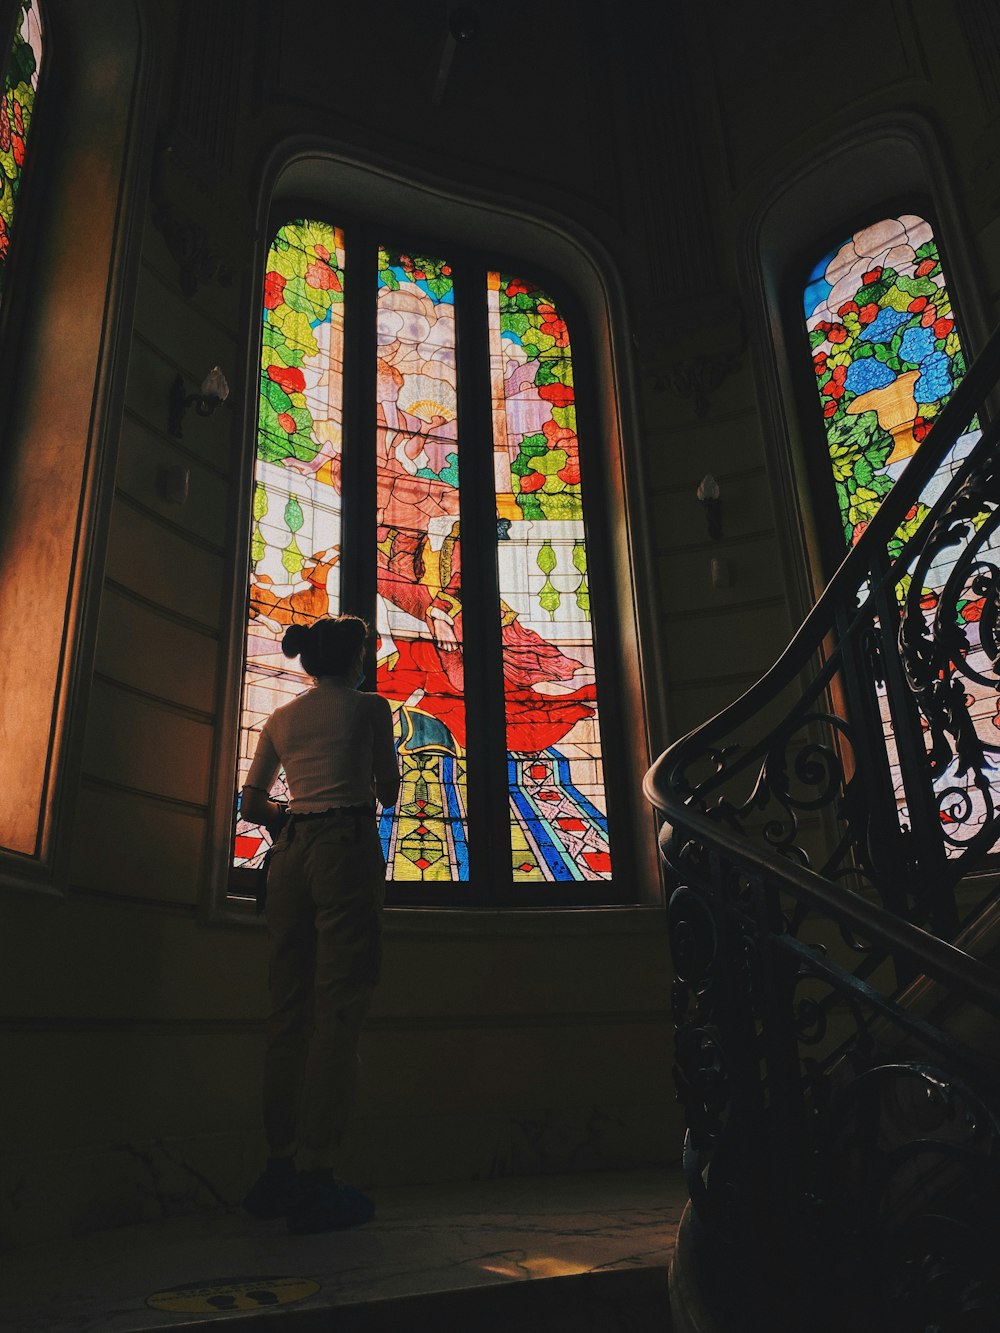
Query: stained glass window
point(20, 84)
point(402, 452)
point(295, 532)
point(558, 820)
point(887, 356)
point(421, 659)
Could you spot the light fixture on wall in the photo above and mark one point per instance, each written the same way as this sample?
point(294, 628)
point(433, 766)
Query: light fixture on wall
point(708, 495)
point(213, 393)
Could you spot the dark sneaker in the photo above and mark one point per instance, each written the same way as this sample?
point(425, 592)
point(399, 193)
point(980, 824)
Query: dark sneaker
point(275, 1190)
point(325, 1204)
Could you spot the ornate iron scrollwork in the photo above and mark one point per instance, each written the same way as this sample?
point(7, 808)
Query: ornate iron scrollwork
point(909, 1181)
point(838, 1140)
point(889, 1165)
point(942, 649)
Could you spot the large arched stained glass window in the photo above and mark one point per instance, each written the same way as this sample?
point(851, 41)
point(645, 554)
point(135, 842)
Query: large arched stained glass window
point(20, 84)
point(517, 746)
point(887, 355)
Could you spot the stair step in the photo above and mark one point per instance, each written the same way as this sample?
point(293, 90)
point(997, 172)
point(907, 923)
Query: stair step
point(636, 1300)
point(580, 1253)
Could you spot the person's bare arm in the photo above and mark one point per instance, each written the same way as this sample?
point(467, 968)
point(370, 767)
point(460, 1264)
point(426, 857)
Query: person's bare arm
point(255, 805)
point(385, 763)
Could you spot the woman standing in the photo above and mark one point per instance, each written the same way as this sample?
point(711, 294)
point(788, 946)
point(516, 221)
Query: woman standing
point(325, 890)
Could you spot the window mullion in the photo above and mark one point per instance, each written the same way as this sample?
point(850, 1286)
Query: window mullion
point(484, 693)
point(358, 454)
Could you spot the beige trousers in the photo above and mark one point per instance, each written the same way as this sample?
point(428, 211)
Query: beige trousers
point(325, 891)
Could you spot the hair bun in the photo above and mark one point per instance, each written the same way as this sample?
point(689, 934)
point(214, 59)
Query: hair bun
point(295, 639)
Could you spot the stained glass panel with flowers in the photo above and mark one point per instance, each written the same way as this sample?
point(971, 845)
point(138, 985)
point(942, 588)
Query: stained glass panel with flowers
point(887, 355)
point(20, 85)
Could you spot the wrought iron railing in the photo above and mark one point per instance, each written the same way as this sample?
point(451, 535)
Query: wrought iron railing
point(821, 834)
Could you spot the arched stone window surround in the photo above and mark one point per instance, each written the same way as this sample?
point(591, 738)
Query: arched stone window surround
point(307, 178)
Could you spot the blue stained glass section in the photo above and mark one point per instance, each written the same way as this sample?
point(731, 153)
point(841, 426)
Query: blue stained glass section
point(883, 326)
point(588, 807)
point(916, 345)
point(456, 817)
point(556, 817)
point(935, 380)
point(867, 374)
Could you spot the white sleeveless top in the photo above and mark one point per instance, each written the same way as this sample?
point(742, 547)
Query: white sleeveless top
point(334, 744)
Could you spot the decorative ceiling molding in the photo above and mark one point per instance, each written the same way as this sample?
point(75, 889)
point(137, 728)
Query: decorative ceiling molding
point(189, 243)
point(671, 183)
point(691, 356)
point(207, 92)
point(980, 23)
point(697, 378)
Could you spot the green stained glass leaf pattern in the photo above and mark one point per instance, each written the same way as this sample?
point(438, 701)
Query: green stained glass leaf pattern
point(292, 558)
point(548, 597)
point(303, 287)
point(293, 514)
point(582, 590)
point(20, 86)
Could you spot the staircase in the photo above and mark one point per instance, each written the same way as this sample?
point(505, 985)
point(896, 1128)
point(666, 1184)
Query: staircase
point(835, 930)
point(549, 1254)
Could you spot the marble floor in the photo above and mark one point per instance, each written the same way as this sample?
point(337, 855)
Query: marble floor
point(555, 1252)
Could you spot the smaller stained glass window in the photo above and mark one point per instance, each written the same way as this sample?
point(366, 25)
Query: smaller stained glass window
point(555, 771)
point(886, 354)
point(20, 85)
point(295, 535)
point(421, 667)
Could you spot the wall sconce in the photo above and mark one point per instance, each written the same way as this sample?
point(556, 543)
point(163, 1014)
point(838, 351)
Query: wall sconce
point(213, 393)
point(708, 495)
